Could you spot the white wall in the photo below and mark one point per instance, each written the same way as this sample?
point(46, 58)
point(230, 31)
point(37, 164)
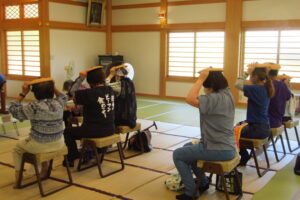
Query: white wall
point(178, 89)
point(271, 10)
point(214, 12)
point(141, 49)
point(67, 13)
point(136, 16)
point(80, 48)
point(128, 2)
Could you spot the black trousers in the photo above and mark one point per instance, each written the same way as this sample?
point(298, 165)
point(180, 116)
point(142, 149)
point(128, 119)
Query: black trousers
point(254, 131)
point(72, 134)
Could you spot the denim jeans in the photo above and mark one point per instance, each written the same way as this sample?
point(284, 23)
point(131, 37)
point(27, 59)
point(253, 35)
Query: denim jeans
point(185, 160)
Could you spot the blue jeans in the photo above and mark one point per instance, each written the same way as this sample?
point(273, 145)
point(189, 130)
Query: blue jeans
point(186, 157)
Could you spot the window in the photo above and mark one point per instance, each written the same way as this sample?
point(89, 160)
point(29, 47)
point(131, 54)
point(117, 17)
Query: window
point(12, 12)
point(190, 52)
point(23, 53)
point(26, 11)
point(282, 47)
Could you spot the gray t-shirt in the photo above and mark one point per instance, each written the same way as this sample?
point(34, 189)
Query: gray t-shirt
point(216, 120)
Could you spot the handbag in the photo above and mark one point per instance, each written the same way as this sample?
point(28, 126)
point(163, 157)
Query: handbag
point(231, 183)
point(174, 182)
point(136, 144)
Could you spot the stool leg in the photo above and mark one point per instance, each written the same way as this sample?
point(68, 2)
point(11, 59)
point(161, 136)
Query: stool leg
point(283, 147)
point(126, 141)
point(102, 155)
point(20, 176)
point(266, 156)
point(37, 173)
point(224, 185)
point(98, 159)
point(287, 139)
point(256, 163)
point(121, 154)
point(16, 128)
point(297, 136)
point(81, 157)
point(68, 169)
point(238, 183)
point(274, 147)
point(49, 168)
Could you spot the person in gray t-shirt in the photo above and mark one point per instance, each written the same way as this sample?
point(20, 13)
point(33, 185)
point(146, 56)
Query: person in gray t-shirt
point(216, 123)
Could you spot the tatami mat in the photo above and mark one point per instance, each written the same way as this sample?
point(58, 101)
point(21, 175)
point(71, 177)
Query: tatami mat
point(143, 177)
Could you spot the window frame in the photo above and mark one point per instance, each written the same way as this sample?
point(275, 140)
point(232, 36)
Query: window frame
point(27, 24)
point(20, 77)
point(186, 78)
point(295, 86)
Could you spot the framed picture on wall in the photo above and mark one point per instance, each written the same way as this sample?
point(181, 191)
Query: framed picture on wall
point(95, 12)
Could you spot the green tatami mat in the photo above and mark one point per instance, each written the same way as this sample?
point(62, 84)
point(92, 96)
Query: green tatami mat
point(157, 110)
point(284, 185)
point(141, 104)
point(181, 116)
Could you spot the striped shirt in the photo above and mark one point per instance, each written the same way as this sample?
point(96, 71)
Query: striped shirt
point(46, 117)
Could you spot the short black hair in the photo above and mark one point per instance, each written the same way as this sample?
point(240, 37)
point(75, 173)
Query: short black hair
point(44, 90)
point(67, 85)
point(273, 72)
point(95, 77)
point(216, 80)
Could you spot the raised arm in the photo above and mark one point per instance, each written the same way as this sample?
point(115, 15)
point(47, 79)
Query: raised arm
point(241, 81)
point(192, 97)
point(78, 82)
point(19, 111)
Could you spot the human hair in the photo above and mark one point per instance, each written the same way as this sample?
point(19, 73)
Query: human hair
point(95, 77)
point(273, 72)
point(117, 63)
point(263, 76)
point(215, 80)
point(44, 90)
point(67, 85)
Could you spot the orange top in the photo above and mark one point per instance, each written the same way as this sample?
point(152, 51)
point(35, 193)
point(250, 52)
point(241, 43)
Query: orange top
point(40, 80)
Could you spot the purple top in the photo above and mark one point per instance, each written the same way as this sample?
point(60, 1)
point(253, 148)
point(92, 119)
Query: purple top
point(277, 103)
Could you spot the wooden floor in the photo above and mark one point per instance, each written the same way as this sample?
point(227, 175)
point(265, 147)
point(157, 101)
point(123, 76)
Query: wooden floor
point(144, 176)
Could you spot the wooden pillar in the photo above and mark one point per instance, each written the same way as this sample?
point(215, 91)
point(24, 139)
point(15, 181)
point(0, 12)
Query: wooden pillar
point(2, 52)
point(163, 49)
point(44, 38)
point(232, 43)
point(108, 26)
